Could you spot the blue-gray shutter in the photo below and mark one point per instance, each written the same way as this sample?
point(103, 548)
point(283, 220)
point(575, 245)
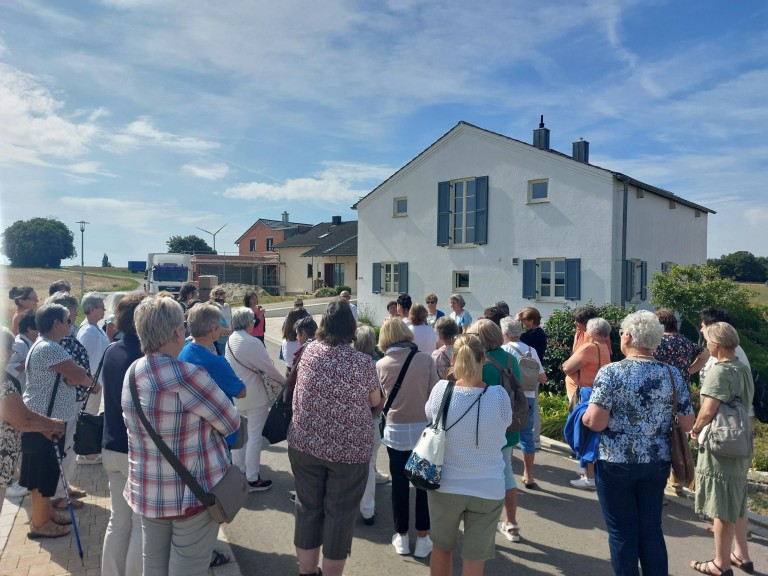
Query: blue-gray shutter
point(529, 279)
point(376, 278)
point(629, 268)
point(643, 280)
point(664, 268)
point(481, 210)
point(402, 273)
point(443, 213)
point(573, 278)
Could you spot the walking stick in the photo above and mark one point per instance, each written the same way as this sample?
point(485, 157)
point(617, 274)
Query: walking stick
point(65, 484)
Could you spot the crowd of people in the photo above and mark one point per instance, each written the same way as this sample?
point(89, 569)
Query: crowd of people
point(197, 374)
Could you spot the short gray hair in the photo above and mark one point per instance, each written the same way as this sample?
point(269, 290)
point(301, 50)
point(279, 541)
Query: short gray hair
point(458, 298)
point(64, 299)
point(92, 300)
point(365, 340)
point(157, 319)
point(645, 329)
point(241, 317)
point(599, 327)
point(511, 327)
point(203, 319)
point(47, 314)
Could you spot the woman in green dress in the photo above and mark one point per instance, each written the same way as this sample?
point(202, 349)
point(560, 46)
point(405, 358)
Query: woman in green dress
point(721, 482)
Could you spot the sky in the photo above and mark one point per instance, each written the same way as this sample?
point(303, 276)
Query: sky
point(153, 118)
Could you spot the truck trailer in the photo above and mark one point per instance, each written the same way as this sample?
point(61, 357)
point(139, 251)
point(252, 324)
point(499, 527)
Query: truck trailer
point(167, 272)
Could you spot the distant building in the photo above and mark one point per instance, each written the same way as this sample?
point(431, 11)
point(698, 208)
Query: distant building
point(264, 234)
point(325, 255)
point(496, 218)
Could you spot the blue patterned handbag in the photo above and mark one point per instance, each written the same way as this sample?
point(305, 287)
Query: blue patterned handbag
point(425, 464)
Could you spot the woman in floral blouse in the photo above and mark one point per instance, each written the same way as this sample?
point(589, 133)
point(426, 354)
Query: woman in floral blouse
point(631, 406)
point(676, 350)
point(330, 440)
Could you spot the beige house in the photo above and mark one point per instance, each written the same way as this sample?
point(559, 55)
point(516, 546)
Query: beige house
point(324, 255)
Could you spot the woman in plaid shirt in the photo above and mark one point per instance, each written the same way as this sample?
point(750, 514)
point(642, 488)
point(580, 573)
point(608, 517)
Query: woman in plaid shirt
point(192, 415)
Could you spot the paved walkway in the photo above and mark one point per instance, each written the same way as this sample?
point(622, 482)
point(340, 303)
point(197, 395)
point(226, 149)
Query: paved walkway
point(549, 532)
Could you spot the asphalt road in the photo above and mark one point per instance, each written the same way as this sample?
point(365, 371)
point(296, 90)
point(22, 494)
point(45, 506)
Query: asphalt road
point(562, 528)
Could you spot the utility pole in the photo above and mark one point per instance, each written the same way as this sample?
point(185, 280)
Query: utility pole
point(82, 259)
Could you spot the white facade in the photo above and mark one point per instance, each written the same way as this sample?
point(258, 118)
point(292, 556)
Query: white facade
point(581, 220)
point(299, 279)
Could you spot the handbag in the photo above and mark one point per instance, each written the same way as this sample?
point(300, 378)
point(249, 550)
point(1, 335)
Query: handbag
point(682, 459)
point(395, 390)
point(224, 500)
point(280, 413)
point(729, 433)
point(425, 464)
point(89, 429)
point(242, 435)
point(271, 388)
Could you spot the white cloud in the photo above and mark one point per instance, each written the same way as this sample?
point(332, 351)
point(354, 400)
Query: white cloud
point(209, 172)
point(142, 133)
point(757, 216)
point(335, 184)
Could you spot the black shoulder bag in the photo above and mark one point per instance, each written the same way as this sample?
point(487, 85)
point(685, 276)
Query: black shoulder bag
point(89, 430)
point(395, 390)
point(230, 493)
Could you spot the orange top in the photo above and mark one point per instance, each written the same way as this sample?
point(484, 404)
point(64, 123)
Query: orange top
point(581, 368)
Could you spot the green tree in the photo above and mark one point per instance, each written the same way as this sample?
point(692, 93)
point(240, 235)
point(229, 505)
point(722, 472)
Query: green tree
point(38, 243)
point(105, 263)
point(189, 245)
point(742, 266)
point(689, 289)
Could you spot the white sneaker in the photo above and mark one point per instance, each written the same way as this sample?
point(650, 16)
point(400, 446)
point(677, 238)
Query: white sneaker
point(89, 460)
point(401, 544)
point(510, 531)
point(583, 483)
point(381, 478)
point(15, 490)
point(423, 547)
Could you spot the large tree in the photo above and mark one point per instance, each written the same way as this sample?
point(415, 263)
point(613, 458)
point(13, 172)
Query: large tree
point(189, 245)
point(742, 266)
point(38, 243)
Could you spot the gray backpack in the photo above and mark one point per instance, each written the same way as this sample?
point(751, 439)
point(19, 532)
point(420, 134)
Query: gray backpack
point(529, 370)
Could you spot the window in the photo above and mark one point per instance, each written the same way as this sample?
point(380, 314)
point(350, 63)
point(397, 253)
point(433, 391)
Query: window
point(269, 243)
point(462, 212)
point(400, 207)
point(538, 191)
point(666, 267)
point(635, 280)
point(252, 245)
point(552, 279)
point(390, 277)
point(309, 270)
point(461, 281)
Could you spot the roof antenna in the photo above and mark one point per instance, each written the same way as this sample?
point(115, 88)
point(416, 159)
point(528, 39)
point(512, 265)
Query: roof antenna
point(541, 122)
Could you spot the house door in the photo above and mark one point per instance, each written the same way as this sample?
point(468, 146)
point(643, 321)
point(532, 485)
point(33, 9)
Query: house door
point(334, 274)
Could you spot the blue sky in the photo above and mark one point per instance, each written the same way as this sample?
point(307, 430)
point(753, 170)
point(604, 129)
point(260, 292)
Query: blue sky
point(149, 118)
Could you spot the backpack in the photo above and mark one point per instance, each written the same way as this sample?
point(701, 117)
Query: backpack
point(520, 417)
point(760, 400)
point(529, 370)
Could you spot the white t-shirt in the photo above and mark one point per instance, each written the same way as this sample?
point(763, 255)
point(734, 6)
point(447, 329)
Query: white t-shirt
point(95, 342)
point(424, 337)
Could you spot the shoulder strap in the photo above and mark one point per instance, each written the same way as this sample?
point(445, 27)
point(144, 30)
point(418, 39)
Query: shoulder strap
point(173, 460)
point(396, 388)
point(599, 362)
point(95, 379)
point(674, 392)
point(442, 414)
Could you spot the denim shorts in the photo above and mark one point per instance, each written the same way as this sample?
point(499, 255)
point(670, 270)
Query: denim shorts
point(509, 475)
point(527, 445)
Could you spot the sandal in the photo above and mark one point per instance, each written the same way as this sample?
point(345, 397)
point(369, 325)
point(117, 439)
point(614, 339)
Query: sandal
point(77, 493)
point(748, 567)
point(703, 567)
point(47, 530)
point(510, 531)
point(61, 504)
point(61, 519)
point(218, 559)
point(530, 484)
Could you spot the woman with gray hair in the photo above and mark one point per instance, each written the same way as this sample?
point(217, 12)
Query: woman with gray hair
point(580, 371)
point(51, 379)
point(95, 341)
point(631, 406)
point(252, 364)
point(511, 330)
point(189, 412)
point(462, 318)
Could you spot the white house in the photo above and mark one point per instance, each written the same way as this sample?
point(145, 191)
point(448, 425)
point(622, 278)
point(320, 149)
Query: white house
point(495, 218)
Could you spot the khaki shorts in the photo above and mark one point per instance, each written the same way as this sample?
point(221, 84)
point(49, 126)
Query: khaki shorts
point(480, 517)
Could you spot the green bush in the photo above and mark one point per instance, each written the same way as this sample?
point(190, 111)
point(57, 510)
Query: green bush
point(325, 292)
point(760, 458)
point(554, 413)
point(340, 289)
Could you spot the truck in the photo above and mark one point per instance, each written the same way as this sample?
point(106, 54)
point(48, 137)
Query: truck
point(137, 266)
point(167, 272)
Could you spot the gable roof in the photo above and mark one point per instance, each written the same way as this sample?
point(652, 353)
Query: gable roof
point(274, 225)
point(325, 239)
point(618, 175)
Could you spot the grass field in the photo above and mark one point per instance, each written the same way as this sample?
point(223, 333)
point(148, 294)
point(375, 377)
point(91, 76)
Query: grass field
point(762, 292)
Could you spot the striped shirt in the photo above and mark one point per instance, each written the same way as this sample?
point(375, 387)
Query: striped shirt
point(191, 414)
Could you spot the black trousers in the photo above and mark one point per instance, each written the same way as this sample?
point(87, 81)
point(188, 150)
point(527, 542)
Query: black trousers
point(401, 492)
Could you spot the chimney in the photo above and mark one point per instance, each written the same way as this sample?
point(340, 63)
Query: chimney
point(336, 220)
point(581, 151)
point(285, 218)
point(541, 136)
